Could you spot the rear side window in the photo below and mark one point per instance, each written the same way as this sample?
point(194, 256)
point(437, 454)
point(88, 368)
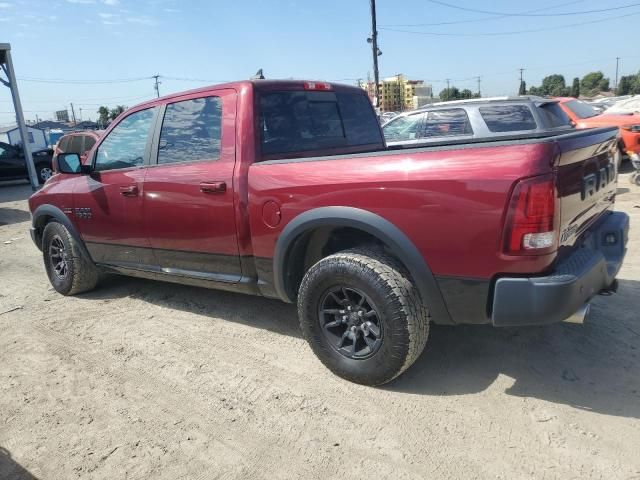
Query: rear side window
point(191, 131)
point(553, 115)
point(508, 118)
point(295, 121)
point(403, 128)
point(446, 123)
point(89, 142)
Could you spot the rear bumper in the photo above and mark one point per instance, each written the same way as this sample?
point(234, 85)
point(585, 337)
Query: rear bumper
point(550, 299)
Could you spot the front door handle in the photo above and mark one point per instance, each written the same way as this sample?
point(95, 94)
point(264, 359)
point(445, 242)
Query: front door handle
point(213, 187)
point(129, 190)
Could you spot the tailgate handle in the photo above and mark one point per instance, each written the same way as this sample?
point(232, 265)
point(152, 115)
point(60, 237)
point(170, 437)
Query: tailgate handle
point(213, 187)
point(129, 190)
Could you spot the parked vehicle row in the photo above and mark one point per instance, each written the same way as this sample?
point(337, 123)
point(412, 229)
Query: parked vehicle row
point(585, 116)
point(286, 189)
point(484, 118)
point(13, 165)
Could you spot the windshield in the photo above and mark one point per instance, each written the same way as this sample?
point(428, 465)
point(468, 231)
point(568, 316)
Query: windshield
point(581, 109)
point(403, 128)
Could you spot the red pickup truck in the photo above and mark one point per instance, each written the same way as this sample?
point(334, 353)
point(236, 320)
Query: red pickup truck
point(286, 189)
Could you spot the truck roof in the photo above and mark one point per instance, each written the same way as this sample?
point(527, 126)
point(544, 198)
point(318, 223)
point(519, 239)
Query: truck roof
point(260, 84)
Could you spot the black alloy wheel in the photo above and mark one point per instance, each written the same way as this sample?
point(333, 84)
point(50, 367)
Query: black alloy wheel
point(350, 322)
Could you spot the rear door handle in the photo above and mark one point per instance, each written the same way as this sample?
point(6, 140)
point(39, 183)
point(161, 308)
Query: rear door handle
point(213, 187)
point(129, 190)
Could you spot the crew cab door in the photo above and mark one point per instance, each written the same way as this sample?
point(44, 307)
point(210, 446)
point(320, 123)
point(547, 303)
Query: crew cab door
point(108, 203)
point(189, 191)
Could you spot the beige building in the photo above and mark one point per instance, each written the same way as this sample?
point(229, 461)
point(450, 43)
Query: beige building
point(398, 94)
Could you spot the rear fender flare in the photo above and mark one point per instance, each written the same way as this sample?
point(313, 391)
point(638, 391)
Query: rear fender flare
point(375, 225)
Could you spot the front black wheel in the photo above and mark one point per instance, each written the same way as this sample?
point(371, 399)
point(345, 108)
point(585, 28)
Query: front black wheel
point(362, 315)
point(67, 268)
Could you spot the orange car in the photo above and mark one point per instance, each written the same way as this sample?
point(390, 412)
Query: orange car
point(585, 116)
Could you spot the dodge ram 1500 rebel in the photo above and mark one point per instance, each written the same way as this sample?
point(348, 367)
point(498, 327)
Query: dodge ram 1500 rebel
point(286, 189)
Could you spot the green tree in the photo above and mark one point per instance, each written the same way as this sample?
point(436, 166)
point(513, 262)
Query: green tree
point(554, 85)
point(593, 83)
point(116, 111)
point(523, 88)
point(575, 88)
point(451, 93)
point(103, 115)
point(625, 85)
point(466, 93)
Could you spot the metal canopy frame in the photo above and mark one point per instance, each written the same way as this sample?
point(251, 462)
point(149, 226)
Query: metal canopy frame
point(6, 66)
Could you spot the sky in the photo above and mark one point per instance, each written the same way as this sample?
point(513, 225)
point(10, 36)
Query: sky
point(104, 52)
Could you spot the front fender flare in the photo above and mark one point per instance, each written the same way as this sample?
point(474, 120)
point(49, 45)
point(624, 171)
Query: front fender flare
point(58, 215)
point(375, 225)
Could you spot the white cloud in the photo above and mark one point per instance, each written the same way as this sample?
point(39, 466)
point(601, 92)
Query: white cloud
point(4, 5)
point(111, 3)
point(84, 2)
point(171, 10)
point(107, 15)
point(143, 20)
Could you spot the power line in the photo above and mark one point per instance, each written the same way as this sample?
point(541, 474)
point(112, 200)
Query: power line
point(488, 12)
point(515, 32)
point(475, 20)
point(78, 82)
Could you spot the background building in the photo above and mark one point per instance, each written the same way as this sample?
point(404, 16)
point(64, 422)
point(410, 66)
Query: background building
point(11, 135)
point(62, 115)
point(398, 94)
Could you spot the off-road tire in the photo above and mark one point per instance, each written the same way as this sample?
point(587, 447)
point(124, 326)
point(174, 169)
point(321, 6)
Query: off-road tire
point(81, 275)
point(404, 317)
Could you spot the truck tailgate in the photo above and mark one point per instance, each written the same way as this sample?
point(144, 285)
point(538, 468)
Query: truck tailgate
point(586, 181)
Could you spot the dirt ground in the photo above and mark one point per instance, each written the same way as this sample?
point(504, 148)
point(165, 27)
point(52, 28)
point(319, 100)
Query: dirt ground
point(157, 381)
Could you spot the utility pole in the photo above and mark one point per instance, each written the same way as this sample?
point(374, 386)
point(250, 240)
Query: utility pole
point(6, 66)
point(479, 92)
point(156, 86)
point(81, 114)
point(448, 91)
point(373, 40)
point(73, 114)
point(617, 64)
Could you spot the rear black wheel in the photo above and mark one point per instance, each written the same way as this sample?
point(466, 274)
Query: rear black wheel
point(362, 315)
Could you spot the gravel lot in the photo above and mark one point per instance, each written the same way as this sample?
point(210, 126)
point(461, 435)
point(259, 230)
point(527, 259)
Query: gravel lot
point(150, 380)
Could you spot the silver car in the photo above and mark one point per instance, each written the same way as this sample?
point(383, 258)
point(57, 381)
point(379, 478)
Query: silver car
point(482, 118)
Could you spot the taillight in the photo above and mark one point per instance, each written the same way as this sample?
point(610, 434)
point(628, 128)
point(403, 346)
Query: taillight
point(532, 217)
point(317, 86)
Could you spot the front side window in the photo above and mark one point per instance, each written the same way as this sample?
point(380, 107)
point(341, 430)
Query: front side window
point(30, 135)
point(404, 128)
point(508, 118)
point(447, 123)
point(125, 145)
point(191, 131)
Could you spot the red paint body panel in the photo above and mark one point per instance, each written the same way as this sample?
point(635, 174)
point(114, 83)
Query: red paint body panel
point(178, 215)
point(449, 203)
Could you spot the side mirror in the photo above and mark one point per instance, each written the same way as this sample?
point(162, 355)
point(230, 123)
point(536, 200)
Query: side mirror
point(69, 163)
